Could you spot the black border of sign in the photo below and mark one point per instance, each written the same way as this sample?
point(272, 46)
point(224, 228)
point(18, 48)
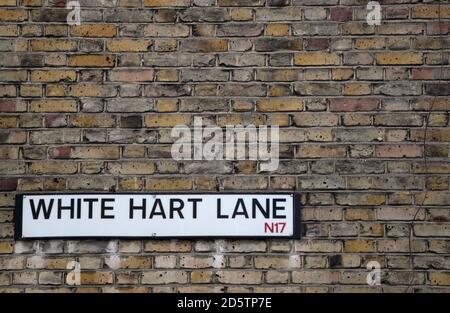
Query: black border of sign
point(19, 209)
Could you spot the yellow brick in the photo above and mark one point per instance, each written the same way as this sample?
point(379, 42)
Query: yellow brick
point(439, 279)
point(57, 90)
point(13, 15)
point(49, 105)
point(20, 45)
point(369, 43)
point(55, 184)
point(437, 183)
point(280, 105)
point(53, 45)
point(241, 15)
point(53, 167)
point(133, 183)
point(53, 76)
point(132, 168)
point(277, 30)
point(167, 246)
point(278, 119)
point(6, 247)
point(7, 3)
point(166, 3)
point(93, 90)
point(240, 119)
point(201, 277)
point(320, 134)
point(92, 120)
point(168, 184)
point(56, 30)
point(359, 245)
point(38, 262)
point(354, 89)
point(8, 121)
point(92, 60)
point(429, 11)
point(128, 45)
point(135, 262)
point(166, 105)
point(166, 120)
point(166, 45)
point(8, 30)
point(278, 91)
point(342, 73)
point(30, 90)
point(86, 152)
point(398, 58)
point(376, 230)
point(31, 30)
point(96, 278)
point(134, 151)
point(94, 30)
point(317, 58)
point(56, 59)
point(205, 183)
point(167, 75)
point(32, 3)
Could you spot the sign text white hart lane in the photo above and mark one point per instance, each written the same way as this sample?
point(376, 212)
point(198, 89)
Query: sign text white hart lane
point(158, 216)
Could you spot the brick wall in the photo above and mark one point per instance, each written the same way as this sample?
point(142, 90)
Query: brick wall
point(90, 107)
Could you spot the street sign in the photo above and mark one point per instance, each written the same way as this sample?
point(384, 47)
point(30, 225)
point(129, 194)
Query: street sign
point(271, 215)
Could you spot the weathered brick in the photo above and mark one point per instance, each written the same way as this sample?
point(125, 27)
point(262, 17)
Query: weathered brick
point(164, 120)
point(128, 45)
point(439, 278)
point(92, 152)
point(168, 184)
point(426, 230)
point(204, 45)
point(316, 58)
point(96, 278)
point(91, 60)
point(53, 167)
point(53, 45)
point(163, 30)
point(13, 15)
point(53, 76)
point(13, 76)
point(398, 58)
point(315, 277)
point(239, 277)
point(280, 105)
point(275, 44)
point(93, 30)
point(359, 245)
point(92, 90)
point(166, 3)
point(131, 75)
point(53, 105)
point(164, 277)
